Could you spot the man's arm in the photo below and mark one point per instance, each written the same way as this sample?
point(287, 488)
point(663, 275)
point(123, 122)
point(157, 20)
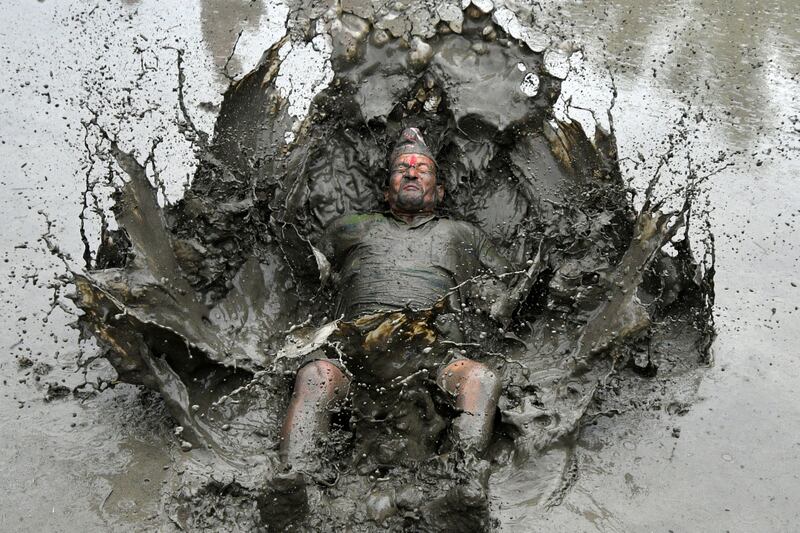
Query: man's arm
point(324, 251)
point(306, 259)
point(337, 238)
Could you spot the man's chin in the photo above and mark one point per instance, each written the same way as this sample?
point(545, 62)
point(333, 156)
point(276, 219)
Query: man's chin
point(410, 205)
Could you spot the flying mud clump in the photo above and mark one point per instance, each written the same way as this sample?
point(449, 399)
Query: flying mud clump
point(211, 301)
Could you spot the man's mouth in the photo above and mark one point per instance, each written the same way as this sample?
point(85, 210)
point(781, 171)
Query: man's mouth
point(411, 187)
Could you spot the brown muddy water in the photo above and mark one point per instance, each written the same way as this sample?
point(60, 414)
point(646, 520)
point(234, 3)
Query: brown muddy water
point(727, 460)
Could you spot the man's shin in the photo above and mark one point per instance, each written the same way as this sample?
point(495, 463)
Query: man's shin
point(306, 421)
point(477, 390)
point(318, 386)
point(472, 431)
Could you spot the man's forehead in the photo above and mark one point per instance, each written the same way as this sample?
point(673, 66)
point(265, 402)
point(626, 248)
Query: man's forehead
point(414, 159)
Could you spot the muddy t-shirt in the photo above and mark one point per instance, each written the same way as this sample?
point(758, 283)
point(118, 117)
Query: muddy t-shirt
point(386, 264)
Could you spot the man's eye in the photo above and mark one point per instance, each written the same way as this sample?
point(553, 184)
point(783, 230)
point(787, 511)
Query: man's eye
point(397, 170)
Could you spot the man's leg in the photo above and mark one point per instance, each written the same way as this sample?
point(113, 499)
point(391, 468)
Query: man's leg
point(477, 390)
point(317, 386)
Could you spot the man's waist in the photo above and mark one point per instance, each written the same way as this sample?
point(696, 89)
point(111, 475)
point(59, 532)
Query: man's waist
point(353, 308)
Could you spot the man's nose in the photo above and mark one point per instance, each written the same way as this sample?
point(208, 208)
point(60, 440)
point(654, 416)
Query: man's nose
point(411, 172)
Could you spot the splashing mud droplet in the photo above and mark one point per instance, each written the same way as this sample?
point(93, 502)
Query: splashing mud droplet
point(530, 84)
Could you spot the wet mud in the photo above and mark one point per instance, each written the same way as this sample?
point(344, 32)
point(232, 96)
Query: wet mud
point(213, 301)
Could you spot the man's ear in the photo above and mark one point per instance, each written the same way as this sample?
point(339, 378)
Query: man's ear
point(386, 195)
point(440, 192)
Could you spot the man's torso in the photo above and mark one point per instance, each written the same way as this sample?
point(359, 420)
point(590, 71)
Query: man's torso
point(386, 264)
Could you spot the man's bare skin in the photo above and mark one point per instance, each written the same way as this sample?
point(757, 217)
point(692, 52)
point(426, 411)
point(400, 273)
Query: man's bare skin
point(317, 387)
point(413, 193)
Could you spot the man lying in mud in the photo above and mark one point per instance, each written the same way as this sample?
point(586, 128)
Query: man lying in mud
point(389, 266)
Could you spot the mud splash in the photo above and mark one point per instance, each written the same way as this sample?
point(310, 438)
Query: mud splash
point(199, 300)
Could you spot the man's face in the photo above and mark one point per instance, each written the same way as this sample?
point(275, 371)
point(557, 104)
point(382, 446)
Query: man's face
point(412, 185)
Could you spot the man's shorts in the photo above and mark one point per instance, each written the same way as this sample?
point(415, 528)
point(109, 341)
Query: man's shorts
point(387, 348)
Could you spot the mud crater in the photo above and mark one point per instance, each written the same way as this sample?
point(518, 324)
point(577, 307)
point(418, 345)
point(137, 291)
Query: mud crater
point(198, 299)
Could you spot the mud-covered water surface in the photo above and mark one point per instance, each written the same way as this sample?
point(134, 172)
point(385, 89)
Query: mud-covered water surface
point(209, 301)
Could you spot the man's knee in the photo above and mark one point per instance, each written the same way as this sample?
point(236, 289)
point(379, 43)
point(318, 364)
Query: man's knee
point(456, 376)
point(322, 377)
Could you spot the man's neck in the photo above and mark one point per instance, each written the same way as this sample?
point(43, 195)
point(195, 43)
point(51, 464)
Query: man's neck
point(412, 219)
